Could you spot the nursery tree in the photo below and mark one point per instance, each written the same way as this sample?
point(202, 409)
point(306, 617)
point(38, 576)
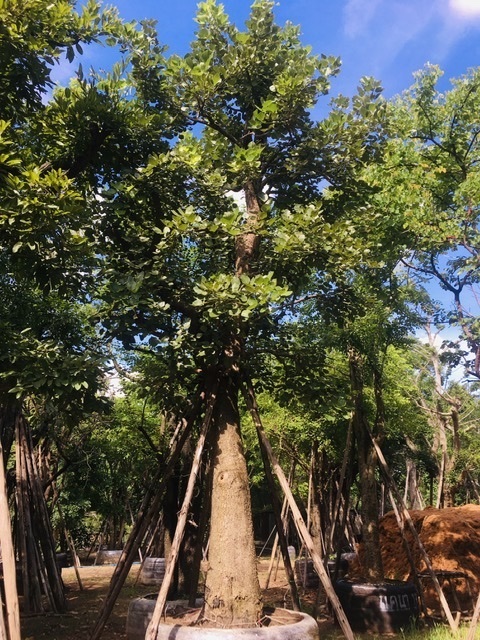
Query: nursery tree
point(429, 184)
point(206, 243)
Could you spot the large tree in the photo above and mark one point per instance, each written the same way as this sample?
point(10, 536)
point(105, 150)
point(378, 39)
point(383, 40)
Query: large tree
point(429, 183)
point(207, 243)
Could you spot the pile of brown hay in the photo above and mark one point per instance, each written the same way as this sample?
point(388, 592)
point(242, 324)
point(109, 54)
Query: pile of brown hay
point(451, 538)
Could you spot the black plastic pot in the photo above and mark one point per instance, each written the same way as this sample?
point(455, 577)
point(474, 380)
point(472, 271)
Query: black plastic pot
point(306, 575)
point(386, 607)
point(152, 572)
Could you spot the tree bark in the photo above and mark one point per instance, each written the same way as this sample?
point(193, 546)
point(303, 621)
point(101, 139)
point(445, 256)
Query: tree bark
point(367, 462)
point(12, 622)
point(232, 590)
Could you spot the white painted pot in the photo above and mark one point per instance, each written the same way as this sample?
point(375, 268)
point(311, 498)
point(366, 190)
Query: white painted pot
point(302, 627)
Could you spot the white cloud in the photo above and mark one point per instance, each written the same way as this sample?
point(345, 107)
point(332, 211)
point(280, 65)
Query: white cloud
point(467, 8)
point(381, 29)
point(358, 14)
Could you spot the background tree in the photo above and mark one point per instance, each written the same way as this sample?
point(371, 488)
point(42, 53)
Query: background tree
point(49, 358)
point(432, 186)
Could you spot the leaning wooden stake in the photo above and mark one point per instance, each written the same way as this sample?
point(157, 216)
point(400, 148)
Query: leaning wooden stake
point(47, 561)
point(273, 554)
point(152, 628)
point(401, 526)
point(302, 529)
point(68, 538)
point(343, 473)
point(12, 622)
point(149, 510)
point(284, 516)
point(474, 622)
point(405, 514)
point(277, 509)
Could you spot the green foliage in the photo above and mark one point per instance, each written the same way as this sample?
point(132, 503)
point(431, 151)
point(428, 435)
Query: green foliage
point(246, 100)
point(130, 199)
point(430, 185)
point(35, 34)
point(113, 463)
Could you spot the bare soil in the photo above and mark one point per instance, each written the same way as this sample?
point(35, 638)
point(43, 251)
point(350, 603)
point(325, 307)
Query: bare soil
point(451, 538)
point(84, 606)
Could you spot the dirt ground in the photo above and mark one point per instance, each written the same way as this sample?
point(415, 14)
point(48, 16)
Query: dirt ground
point(451, 538)
point(85, 605)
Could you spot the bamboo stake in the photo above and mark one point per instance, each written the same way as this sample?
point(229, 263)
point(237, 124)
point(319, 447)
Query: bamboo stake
point(343, 473)
point(133, 523)
point(277, 509)
point(474, 622)
point(275, 542)
point(75, 558)
point(70, 544)
point(149, 510)
point(206, 508)
point(44, 533)
point(97, 535)
point(152, 628)
point(273, 554)
point(301, 528)
point(8, 560)
point(32, 600)
point(404, 511)
point(401, 526)
point(310, 489)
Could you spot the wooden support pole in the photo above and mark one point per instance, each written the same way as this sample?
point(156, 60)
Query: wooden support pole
point(12, 623)
point(32, 598)
point(204, 520)
point(272, 560)
point(47, 561)
point(277, 509)
point(68, 538)
point(303, 532)
point(401, 526)
point(284, 515)
point(474, 622)
point(148, 511)
point(405, 514)
point(341, 481)
point(152, 628)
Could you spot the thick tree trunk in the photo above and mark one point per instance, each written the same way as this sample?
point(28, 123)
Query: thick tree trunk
point(232, 590)
point(317, 531)
point(367, 462)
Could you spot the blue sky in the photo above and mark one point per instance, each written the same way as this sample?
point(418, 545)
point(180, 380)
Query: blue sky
point(387, 39)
